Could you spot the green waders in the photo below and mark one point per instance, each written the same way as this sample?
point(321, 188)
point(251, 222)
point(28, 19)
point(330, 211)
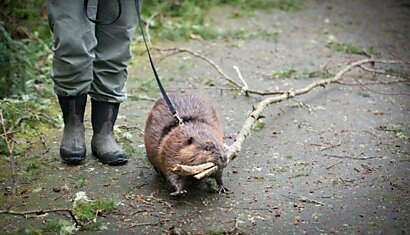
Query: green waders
point(91, 59)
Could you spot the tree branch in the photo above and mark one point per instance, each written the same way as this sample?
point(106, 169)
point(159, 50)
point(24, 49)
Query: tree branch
point(245, 131)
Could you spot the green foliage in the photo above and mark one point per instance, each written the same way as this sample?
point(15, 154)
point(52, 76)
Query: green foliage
point(15, 67)
point(217, 231)
point(32, 166)
point(292, 73)
point(285, 5)
point(21, 18)
point(182, 19)
point(88, 210)
point(401, 134)
point(364, 94)
point(25, 86)
point(258, 125)
point(80, 182)
point(58, 227)
point(99, 225)
point(301, 174)
point(26, 116)
point(287, 167)
point(348, 48)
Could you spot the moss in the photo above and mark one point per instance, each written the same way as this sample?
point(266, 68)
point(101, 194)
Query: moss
point(181, 19)
point(258, 125)
point(287, 167)
point(53, 227)
point(401, 134)
point(88, 210)
point(350, 48)
point(294, 74)
point(216, 231)
point(301, 174)
point(80, 182)
point(99, 225)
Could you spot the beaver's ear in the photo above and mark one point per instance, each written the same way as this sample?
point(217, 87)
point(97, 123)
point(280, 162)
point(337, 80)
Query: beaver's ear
point(190, 140)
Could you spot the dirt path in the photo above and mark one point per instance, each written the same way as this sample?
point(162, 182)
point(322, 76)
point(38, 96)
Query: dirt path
point(343, 167)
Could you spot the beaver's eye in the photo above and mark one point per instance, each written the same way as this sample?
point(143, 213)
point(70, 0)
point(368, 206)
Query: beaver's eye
point(190, 140)
point(209, 146)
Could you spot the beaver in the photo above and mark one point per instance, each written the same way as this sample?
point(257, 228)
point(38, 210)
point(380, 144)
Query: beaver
point(197, 141)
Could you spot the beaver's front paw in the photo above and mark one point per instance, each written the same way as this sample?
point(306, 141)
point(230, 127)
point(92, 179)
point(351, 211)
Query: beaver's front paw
point(178, 193)
point(222, 189)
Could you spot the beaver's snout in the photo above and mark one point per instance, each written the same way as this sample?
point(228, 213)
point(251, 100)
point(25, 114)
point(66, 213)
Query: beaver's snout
point(223, 160)
point(219, 157)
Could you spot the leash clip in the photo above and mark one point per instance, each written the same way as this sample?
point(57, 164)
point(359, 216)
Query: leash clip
point(180, 121)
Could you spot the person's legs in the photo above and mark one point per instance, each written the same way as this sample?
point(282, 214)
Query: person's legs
point(112, 56)
point(74, 41)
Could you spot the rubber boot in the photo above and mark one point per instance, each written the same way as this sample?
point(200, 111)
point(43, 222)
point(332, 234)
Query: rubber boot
point(103, 145)
point(72, 148)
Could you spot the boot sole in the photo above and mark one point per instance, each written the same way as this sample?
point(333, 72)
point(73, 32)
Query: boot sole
point(116, 162)
point(73, 160)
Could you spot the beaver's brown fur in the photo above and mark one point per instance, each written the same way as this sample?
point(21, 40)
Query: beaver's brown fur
point(199, 140)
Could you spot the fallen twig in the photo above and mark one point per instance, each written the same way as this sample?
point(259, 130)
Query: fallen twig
point(145, 224)
point(335, 164)
point(384, 72)
point(41, 212)
point(332, 146)
point(372, 83)
point(217, 68)
point(349, 157)
point(245, 85)
point(304, 199)
point(377, 92)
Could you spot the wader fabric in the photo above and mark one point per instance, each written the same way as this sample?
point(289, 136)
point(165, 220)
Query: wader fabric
point(91, 58)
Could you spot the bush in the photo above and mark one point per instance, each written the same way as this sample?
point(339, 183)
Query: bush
point(16, 69)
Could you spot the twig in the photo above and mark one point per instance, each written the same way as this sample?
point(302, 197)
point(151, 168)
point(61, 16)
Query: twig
point(372, 83)
point(41, 212)
point(245, 85)
point(245, 131)
point(304, 199)
point(348, 157)
point(377, 92)
point(381, 71)
point(328, 168)
point(145, 224)
point(217, 68)
point(302, 104)
point(8, 138)
point(332, 146)
point(148, 23)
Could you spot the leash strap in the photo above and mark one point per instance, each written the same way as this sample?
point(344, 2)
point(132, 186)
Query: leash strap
point(101, 22)
point(154, 70)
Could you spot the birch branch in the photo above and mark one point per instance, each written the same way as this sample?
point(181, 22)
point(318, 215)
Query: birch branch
point(245, 131)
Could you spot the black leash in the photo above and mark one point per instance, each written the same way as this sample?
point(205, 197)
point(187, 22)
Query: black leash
point(154, 70)
point(101, 22)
